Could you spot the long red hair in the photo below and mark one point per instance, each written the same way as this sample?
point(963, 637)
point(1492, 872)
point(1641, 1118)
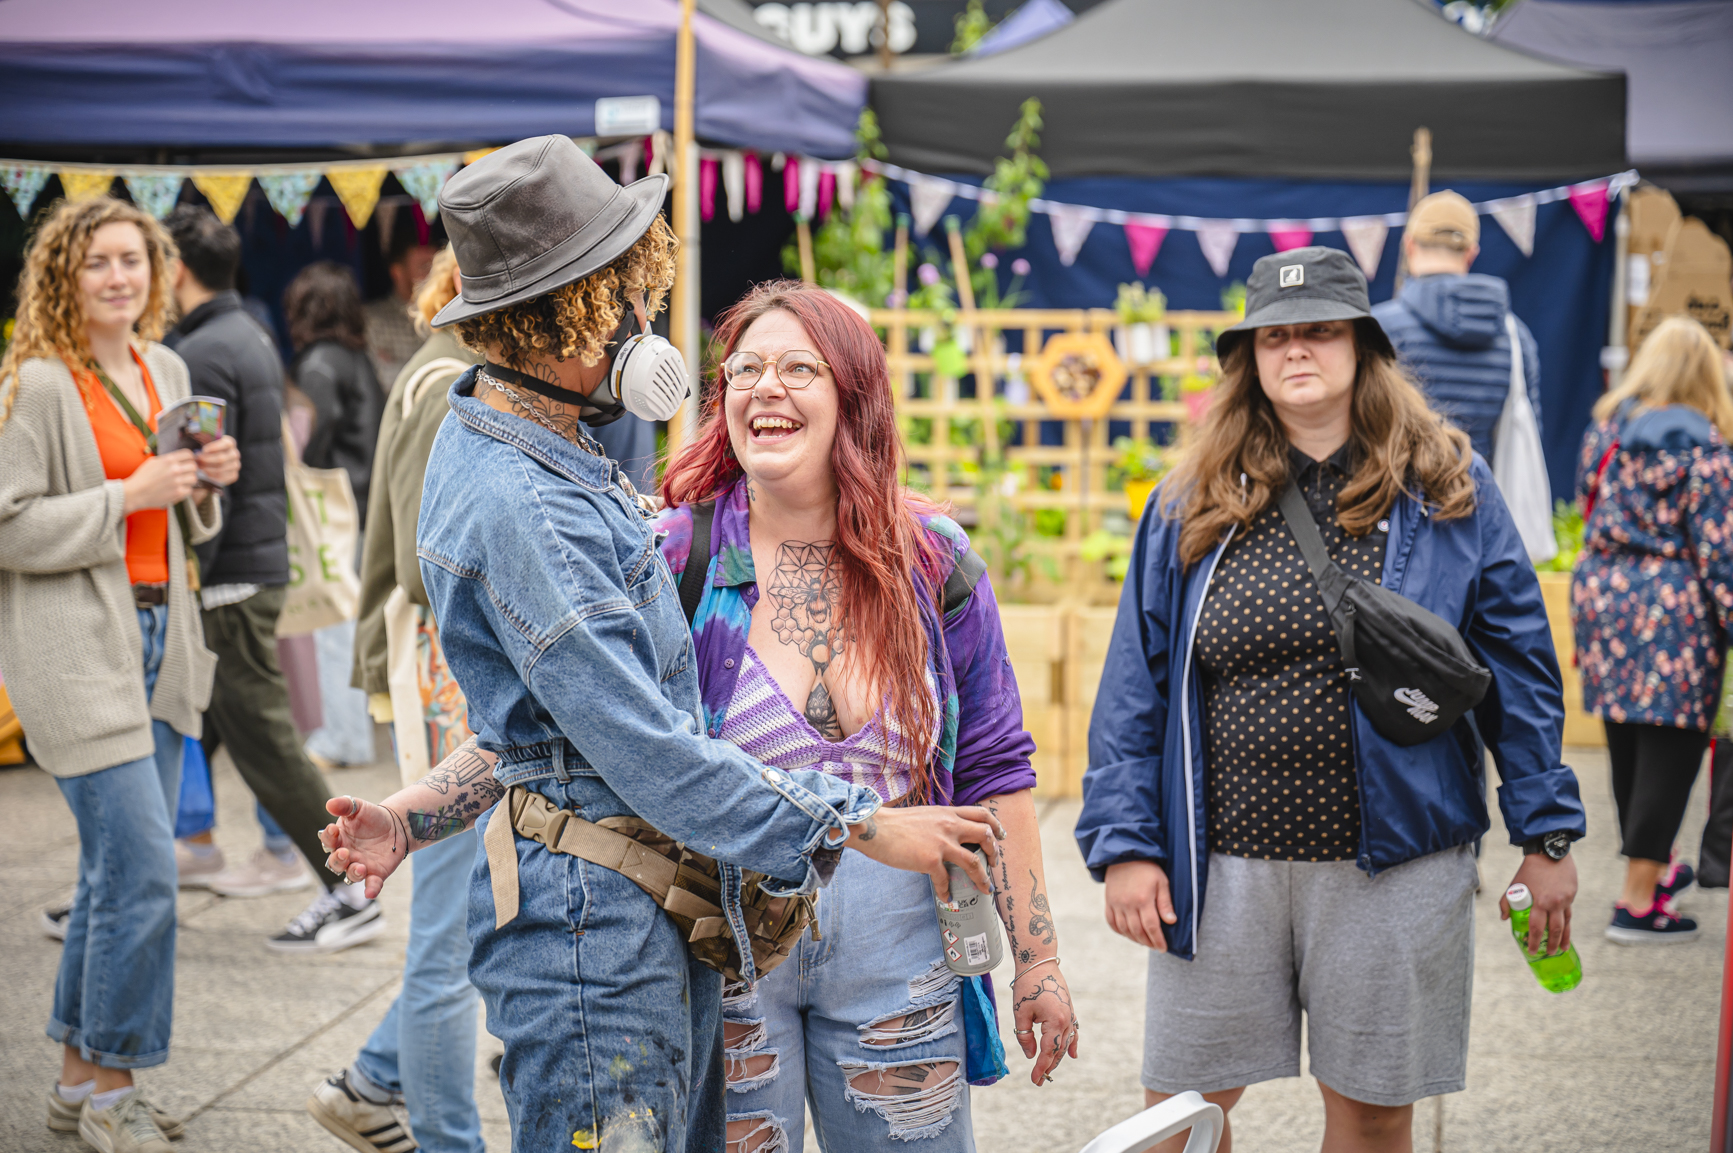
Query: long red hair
point(880, 544)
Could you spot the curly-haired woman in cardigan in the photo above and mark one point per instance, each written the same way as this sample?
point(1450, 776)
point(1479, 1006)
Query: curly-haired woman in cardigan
point(92, 551)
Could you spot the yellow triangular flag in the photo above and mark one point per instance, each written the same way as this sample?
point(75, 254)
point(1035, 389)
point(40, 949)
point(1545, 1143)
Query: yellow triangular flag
point(82, 183)
point(475, 154)
point(225, 190)
point(358, 189)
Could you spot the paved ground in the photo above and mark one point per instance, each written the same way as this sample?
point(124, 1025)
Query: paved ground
point(1625, 1062)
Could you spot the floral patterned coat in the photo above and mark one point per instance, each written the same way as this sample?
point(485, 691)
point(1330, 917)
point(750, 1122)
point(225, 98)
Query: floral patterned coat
point(1652, 593)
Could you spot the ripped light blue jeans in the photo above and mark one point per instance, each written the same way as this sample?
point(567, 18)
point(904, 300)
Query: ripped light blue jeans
point(866, 1023)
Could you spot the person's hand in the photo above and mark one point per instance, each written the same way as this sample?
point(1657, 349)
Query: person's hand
point(1139, 903)
point(1553, 885)
point(923, 838)
point(366, 843)
point(160, 482)
point(220, 461)
point(1043, 997)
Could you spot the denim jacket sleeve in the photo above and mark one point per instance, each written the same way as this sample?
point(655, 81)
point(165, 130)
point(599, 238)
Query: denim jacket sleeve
point(579, 635)
point(1522, 716)
point(1122, 818)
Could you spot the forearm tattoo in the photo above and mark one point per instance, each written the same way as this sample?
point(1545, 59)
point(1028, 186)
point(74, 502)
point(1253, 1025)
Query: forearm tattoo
point(807, 594)
point(467, 780)
point(1041, 919)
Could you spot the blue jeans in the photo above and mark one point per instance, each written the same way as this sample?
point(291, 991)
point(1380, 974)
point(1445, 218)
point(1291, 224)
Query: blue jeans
point(425, 1046)
point(347, 735)
point(866, 1024)
point(612, 1031)
point(114, 997)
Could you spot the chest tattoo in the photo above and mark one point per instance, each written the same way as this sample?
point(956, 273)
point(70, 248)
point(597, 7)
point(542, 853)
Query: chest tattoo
point(806, 594)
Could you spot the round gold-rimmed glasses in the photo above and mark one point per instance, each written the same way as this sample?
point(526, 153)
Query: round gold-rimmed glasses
point(795, 368)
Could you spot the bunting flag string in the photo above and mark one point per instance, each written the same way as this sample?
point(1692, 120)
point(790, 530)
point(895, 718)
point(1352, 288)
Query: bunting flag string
point(1071, 227)
point(1590, 201)
point(707, 174)
point(1289, 235)
point(85, 183)
point(23, 183)
point(154, 192)
point(734, 184)
point(358, 189)
point(807, 205)
point(1145, 243)
point(928, 199)
point(1516, 216)
point(226, 190)
point(1365, 237)
point(288, 192)
point(752, 181)
point(423, 181)
point(1218, 239)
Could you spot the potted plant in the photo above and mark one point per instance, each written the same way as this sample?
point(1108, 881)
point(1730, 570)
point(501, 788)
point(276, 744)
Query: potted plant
point(1195, 390)
point(1143, 463)
point(1141, 337)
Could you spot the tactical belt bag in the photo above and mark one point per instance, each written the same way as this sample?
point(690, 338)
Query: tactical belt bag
point(1411, 671)
point(686, 885)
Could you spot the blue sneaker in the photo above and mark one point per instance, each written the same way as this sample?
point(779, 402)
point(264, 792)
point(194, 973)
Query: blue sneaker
point(1677, 879)
point(1659, 926)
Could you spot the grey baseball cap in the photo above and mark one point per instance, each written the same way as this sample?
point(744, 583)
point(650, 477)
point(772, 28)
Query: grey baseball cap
point(1302, 286)
point(536, 215)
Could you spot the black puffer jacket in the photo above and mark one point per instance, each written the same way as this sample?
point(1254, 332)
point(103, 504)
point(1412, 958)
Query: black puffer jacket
point(347, 403)
point(231, 358)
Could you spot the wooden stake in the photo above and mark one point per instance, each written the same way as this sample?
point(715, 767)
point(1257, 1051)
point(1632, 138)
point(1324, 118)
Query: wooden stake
point(1421, 151)
point(885, 35)
point(803, 235)
point(683, 302)
point(984, 384)
point(900, 263)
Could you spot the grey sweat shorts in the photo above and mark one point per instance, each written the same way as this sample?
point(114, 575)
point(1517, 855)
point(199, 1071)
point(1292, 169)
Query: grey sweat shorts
point(1382, 966)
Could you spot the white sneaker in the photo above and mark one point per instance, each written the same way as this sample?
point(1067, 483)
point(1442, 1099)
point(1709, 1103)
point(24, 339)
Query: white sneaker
point(358, 1122)
point(198, 870)
point(262, 874)
point(329, 925)
point(124, 1127)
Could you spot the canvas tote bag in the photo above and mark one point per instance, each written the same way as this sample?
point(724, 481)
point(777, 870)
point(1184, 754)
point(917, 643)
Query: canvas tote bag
point(324, 588)
point(1519, 465)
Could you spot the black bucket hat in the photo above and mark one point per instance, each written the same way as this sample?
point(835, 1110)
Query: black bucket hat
point(536, 215)
point(1302, 286)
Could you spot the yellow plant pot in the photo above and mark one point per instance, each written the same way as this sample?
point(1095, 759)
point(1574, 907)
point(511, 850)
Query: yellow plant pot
point(1137, 495)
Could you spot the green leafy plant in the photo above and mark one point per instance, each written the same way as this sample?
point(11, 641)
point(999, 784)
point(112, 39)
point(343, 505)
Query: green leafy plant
point(971, 24)
point(1139, 305)
point(1112, 547)
point(1567, 530)
point(848, 249)
point(1234, 298)
point(1193, 382)
point(1140, 458)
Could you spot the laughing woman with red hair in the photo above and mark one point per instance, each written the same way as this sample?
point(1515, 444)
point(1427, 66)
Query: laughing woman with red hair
point(865, 653)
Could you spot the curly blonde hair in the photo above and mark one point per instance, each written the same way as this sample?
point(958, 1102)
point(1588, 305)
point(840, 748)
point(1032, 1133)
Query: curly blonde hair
point(437, 291)
point(50, 320)
point(577, 319)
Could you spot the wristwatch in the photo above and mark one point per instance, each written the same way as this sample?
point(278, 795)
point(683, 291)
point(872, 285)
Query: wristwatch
point(1556, 844)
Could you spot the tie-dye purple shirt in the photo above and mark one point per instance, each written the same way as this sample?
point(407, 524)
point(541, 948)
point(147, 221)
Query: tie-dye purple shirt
point(983, 749)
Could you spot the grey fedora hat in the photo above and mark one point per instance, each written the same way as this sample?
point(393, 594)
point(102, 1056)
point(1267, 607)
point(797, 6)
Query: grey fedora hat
point(536, 215)
point(1303, 286)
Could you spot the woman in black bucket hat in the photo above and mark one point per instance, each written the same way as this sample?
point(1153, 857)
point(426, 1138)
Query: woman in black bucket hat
point(1227, 745)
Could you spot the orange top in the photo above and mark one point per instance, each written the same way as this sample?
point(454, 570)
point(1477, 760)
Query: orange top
point(123, 449)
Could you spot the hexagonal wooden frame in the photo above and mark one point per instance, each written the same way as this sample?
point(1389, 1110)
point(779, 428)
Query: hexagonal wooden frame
point(1093, 406)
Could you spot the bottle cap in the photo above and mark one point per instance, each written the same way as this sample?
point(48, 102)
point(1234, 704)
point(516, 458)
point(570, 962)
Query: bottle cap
point(1518, 896)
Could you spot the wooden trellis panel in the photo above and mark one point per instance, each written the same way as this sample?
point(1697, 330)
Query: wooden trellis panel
point(952, 471)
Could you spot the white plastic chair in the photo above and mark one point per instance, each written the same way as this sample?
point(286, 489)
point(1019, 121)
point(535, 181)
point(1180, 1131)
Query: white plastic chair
point(1176, 1115)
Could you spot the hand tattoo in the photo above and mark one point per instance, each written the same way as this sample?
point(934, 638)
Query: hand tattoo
point(807, 594)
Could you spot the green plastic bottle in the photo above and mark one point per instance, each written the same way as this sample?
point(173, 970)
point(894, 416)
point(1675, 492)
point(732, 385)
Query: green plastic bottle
point(1559, 973)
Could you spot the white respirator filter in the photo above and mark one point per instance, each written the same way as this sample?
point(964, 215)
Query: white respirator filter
point(648, 377)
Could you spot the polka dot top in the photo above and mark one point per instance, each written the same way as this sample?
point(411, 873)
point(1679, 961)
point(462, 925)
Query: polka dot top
point(1279, 770)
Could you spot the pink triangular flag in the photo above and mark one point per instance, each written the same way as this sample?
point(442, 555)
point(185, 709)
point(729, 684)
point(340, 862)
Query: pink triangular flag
point(1516, 216)
point(1590, 201)
point(706, 188)
point(752, 176)
point(1071, 227)
point(1144, 240)
point(1366, 237)
point(1287, 238)
point(826, 191)
point(1218, 241)
point(791, 167)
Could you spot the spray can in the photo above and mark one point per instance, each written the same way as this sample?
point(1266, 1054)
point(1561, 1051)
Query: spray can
point(969, 923)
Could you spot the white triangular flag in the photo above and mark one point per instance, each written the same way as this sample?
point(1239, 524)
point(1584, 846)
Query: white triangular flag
point(846, 174)
point(631, 155)
point(1516, 217)
point(1071, 227)
point(928, 199)
point(1365, 236)
point(734, 183)
point(1218, 241)
point(810, 171)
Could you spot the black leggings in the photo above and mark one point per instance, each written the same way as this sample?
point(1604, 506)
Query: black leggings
point(1654, 768)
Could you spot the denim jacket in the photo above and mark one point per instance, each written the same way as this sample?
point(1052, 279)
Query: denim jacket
point(562, 623)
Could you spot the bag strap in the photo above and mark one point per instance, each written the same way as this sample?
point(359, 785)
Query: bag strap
point(412, 389)
point(1518, 376)
point(697, 560)
point(1593, 496)
point(1332, 582)
point(960, 585)
point(194, 579)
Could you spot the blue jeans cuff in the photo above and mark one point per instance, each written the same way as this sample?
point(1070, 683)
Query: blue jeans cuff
point(73, 1038)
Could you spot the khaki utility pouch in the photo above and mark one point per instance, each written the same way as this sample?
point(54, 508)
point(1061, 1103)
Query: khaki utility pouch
point(686, 885)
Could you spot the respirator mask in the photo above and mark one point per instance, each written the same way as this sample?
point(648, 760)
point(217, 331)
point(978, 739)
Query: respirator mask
point(647, 376)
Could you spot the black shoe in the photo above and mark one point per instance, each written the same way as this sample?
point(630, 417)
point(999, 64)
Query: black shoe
point(329, 925)
point(1659, 926)
point(1675, 881)
point(54, 919)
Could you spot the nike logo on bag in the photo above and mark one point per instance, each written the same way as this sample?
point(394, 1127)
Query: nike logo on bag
point(1420, 706)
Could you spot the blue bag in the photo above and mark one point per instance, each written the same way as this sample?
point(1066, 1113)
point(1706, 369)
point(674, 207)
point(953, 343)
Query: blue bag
point(197, 811)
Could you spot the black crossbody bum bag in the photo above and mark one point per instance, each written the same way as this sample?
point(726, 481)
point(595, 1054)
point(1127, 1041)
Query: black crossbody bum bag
point(1409, 668)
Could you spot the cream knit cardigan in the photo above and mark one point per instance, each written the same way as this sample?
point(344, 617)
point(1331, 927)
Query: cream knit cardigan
point(69, 639)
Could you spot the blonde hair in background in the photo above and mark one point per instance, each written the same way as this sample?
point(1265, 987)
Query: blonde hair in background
point(1679, 363)
point(50, 321)
point(437, 291)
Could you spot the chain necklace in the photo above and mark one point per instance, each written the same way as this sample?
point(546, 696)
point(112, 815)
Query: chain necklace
point(584, 440)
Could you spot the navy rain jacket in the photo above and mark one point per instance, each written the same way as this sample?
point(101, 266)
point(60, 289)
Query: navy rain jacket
point(1143, 795)
point(1449, 331)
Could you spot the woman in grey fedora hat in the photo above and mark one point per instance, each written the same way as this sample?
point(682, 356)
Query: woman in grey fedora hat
point(564, 628)
point(1227, 747)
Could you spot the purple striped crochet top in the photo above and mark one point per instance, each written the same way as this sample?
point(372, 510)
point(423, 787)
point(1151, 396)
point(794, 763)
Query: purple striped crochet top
point(764, 724)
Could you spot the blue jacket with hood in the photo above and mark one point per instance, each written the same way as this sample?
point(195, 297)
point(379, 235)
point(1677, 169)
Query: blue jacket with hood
point(1143, 795)
point(1449, 331)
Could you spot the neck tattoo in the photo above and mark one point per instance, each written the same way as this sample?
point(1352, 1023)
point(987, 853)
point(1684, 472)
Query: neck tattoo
point(808, 597)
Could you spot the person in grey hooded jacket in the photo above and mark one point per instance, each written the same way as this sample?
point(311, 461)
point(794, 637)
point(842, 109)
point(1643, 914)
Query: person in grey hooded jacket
point(1447, 325)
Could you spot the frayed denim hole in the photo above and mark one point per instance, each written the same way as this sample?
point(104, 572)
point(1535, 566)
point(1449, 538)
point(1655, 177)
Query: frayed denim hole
point(911, 1026)
point(761, 1132)
point(934, 982)
point(917, 1098)
point(742, 1036)
point(751, 1068)
point(738, 996)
